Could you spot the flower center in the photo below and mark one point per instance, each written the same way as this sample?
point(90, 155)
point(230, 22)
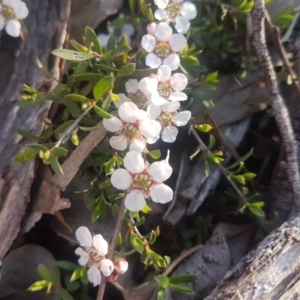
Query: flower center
point(131, 131)
point(142, 181)
point(8, 12)
point(138, 98)
point(173, 10)
point(165, 119)
point(94, 258)
point(164, 89)
point(162, 49)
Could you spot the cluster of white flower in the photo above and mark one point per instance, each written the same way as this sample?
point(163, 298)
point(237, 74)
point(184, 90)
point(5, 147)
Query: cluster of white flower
point(149, 109)
point(11, 11)
point(92, 253)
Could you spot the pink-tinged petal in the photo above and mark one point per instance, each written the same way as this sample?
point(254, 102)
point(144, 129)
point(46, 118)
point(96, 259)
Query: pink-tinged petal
point(137, 145)
point(160, 14)
point(84, 256)
point(119, 142)
point(134, 162)
point(152, 60)
point(164, 73)
point(160, 171)
point(170, 106)
point(178, 81)
point(169, 134)
point(106, 267)
point(189, 10)
point(148, 42)
point(122, 100)
point(182, 118)
point(156, 99)
point(129, 112)
point(131, 86)
point(154, 111)
point(161, 3)
point(161, 193)
point(177, 42)
point(100, 244)
point(178, 96)
point(163, 32)
point(135, 200)
point(173, 61)
point(121, 179)
point(94, 275)
point(182, 25)
point(13, 28)
point(153, 140)
point(84, 237)
point(150, 128)
point(2, 22)
point(113, 124)
point(121, 266)
point(151, 28)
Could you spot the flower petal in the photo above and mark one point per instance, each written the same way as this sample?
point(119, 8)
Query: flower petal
point(182, 118)
point(121, 266)
point(169, 134)
point(148, 42)
point(122, 100)
point(150, 128)
point(170, 106)
point(137, 145)
point(173, 61)
point(177, 42)
point(129, 112)
point(161, 193)
point(113, 124)
point(121, 179)
point(182, 25)
point(160, 14)
point(134, 162)
point(154, 111)
point(156, 99)
point(153, 140)
point(147, 85)
point(94, 275)
point(160, 171)
point(161, 3)
point(135, 200)
point(100, 244)
point(21, 10)
point(178, 96)
point(178, 81)
point(119, 142)
point(13, 28)
point(106, 267)
point(189, 10)
point(84, 256)
point(131, 86)
point(152, 60)
point(164, 73)
point(84, 237)
point(163, 32)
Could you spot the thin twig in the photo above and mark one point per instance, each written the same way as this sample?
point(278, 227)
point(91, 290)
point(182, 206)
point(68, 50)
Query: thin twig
point(112, 245)
point(281, 112)
point(135, 228)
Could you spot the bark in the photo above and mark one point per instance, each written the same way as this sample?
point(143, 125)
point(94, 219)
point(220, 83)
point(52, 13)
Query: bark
point(46, 27)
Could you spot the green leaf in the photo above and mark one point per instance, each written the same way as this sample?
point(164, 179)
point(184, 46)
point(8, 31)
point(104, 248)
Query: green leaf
point(155, 154)
point(103, 86)
point(106, 103)
point(242, 159)
point(132, 6)
point(211, 142)
point(116, 52)
point(146, 11)
point(72, 55)
point(76, 274)
point(62, 128)
point(127, 70)
point(110, 166)
point(115, 210)
point(91, 37)
point(84, 77)
point(65, 265)
point(212, 77)
point(73, 286)
point(79, 47)
point(161, 295)
point(44, 272)
point(111, 44)
point(183, 278)
point(137, 243)
point(36, 148)
point(77, 98)
point(101, 113)
point(38, 285)
point(29, 136)
point(152, 237)
point(181, 289)
point(256, 209)
point(105, 185)
point(249, 175)
point(119, 21)
point(60, 151)
point(240, 179)
point(204, 127)
point(55, 165)
point(106, 68)
point(21, 157)
point(146, 209)
point(163, 281)
point(119, 240)
point(64, 294)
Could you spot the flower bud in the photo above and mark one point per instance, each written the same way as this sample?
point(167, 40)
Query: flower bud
point(151, 28)
point(121, 266)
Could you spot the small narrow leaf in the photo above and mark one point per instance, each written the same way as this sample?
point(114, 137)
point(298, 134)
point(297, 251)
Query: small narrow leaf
point(127, 70)
point(103, 86)
point(55, 165)
point(91, 37)
point(72, 55)
point(163, 281)
point(102, 113)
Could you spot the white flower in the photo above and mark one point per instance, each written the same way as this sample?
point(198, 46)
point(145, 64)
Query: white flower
point(176, 11)
point(142, 181)
point(11, 11)
point(162, 47)
point(133, 128)
point(168, 88)
point(169, 118)
point(121, 266)
point(92, 254)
